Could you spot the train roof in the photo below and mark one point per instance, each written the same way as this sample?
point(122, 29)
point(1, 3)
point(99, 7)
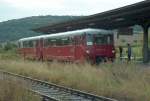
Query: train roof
point(70, 33)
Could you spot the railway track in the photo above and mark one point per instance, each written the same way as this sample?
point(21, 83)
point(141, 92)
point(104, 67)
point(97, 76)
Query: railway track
point(52, 92)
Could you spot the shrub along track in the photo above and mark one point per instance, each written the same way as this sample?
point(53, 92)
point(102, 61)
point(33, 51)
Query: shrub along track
point(50, 91)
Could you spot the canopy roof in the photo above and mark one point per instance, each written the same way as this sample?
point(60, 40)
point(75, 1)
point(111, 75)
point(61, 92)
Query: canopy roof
point(135, 14)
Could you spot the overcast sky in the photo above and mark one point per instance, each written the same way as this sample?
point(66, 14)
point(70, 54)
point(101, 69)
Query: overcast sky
point(13, 9)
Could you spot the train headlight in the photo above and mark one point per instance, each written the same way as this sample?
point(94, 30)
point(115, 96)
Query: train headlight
point(113, 51)
point(87, 51)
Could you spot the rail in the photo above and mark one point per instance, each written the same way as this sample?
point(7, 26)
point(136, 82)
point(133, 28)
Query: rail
point(52, 92)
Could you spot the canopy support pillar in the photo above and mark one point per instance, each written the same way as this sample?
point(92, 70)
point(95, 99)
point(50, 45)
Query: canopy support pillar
point(145, 43)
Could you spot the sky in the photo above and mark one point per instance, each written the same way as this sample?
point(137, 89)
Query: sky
point(14, 9)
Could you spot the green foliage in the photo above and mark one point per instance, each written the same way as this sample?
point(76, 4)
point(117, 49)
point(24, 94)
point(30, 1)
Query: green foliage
point(15, 29)
point(0, 46)
point(9, 46)
point(123, 40)
point(8, 51)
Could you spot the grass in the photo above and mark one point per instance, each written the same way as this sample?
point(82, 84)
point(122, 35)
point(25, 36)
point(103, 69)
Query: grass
point(9, 54)
point(119, 80)
point(10, 92)
point(122, 81)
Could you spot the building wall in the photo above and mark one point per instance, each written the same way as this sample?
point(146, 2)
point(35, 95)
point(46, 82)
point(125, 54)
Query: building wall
point(135, 39)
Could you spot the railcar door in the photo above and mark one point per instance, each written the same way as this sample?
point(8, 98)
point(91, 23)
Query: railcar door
point(39, 49)
point(79, 48)
point(103, 45)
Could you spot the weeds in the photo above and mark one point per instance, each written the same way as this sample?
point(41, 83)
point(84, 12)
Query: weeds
point(10, 92)
point(121, 81)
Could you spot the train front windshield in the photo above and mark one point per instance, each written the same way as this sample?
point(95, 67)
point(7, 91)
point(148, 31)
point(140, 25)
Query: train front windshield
point(99, 39)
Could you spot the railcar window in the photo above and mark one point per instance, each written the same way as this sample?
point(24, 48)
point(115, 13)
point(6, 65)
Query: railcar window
point(79, 40)
point(70, 40)
point(19, 45)
point(58, 42)
point(53, 42)
point(24, 44)
point(67, 41)
point(50, 42)
point(111, 39)
point(47, 42)
point(103, 39)
point(34, 43)
point(29, 44)
point(89, 38)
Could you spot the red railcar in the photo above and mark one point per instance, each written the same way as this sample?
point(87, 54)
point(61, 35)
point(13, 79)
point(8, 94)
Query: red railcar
point(94, 45)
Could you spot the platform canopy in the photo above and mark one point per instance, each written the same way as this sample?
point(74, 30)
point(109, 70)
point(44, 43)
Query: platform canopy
point(135, 14)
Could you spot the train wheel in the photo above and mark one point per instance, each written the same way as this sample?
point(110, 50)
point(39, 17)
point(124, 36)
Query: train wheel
point(99, 60)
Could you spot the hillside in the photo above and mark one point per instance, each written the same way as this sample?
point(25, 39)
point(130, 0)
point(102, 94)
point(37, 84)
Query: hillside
point(15, 29)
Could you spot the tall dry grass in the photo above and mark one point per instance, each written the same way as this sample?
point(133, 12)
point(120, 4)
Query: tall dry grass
point(127, 82)
point(13, 91)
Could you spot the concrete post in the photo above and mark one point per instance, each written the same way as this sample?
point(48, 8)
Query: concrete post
point(145, 44)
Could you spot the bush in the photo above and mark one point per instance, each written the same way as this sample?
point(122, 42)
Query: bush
point(9, 46)
point(8, 51)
